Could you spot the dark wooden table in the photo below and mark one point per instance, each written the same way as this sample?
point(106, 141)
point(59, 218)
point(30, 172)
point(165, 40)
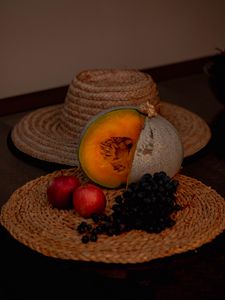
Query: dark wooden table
point(198, 274)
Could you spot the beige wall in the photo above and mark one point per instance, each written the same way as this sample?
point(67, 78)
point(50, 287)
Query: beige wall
point(44, 43)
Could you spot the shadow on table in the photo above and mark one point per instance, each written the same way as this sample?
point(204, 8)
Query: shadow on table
point(35, 162)
point(218, 135)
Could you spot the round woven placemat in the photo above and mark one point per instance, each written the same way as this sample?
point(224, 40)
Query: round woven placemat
point(32, 221)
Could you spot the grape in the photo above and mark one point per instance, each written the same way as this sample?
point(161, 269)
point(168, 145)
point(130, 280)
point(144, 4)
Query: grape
point(145, 205)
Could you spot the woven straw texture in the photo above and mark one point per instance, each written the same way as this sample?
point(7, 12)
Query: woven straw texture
point(32, 221)
point(194, 131)
point(40, 134)
point(52, 133)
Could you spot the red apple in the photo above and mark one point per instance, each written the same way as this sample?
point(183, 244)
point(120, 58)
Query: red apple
point(88, 200)
point(60, 191)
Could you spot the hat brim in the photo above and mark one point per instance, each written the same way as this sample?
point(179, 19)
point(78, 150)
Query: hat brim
point(40, 136)
point(34, 222)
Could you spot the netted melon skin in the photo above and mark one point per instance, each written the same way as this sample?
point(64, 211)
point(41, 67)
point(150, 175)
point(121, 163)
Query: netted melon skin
point(159, 148)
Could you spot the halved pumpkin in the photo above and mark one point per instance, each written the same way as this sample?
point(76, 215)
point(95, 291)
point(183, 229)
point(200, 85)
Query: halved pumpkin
point(120, 145)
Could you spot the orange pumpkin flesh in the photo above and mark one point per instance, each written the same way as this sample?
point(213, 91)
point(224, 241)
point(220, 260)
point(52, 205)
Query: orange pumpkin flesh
point(108, 144)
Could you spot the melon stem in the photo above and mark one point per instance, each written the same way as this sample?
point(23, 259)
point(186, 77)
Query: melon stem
point(148, 109)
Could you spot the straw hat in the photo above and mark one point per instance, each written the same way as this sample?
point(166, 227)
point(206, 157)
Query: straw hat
point(52, 133)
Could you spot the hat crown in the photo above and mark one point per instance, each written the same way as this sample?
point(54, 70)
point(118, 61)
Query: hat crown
point(92, 91)
point(51, 133)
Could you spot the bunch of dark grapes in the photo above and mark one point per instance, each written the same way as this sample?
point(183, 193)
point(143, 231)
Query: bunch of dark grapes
point(145, 205)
